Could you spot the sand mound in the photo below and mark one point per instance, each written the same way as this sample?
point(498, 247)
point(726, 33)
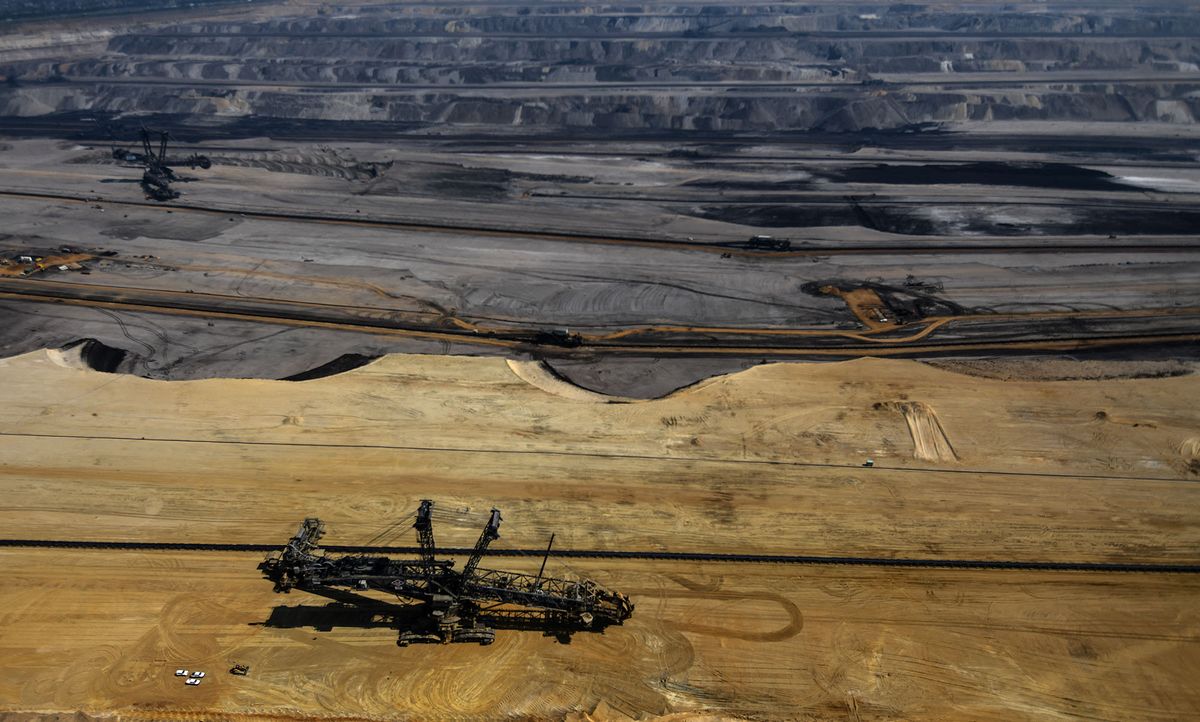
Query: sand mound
point(88, 355)
point(538, 374)
point(822, 413)
point(1191, 452)
point(1190, 448)
point(69, 358)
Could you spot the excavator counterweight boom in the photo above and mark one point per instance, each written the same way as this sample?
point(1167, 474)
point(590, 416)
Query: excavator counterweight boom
point(454, 606)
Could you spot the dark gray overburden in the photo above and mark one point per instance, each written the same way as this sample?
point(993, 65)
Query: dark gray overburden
point(641, 195)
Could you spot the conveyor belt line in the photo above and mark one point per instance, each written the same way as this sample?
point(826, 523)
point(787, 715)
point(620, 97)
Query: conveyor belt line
point(901, 562)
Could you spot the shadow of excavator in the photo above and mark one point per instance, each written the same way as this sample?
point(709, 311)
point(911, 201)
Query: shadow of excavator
point(350, 610)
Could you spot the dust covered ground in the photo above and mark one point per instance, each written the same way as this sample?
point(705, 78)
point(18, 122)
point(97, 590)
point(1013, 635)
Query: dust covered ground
point(757, 642)
point(765, 461)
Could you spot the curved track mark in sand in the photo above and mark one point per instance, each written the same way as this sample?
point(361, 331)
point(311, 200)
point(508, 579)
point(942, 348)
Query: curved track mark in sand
point(787, 631)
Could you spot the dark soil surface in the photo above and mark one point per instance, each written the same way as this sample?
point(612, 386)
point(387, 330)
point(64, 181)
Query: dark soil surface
point(1027, 175)
point(909, 220)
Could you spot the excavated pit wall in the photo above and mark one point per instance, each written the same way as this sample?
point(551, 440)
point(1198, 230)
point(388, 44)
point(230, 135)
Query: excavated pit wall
point(571, 63)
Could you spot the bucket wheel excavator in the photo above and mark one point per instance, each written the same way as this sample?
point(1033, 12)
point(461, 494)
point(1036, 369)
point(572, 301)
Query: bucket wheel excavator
point(158, 174)
point(448, 605)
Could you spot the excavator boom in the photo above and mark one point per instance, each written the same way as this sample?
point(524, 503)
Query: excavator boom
point(457, 606)
point(424, 527)
point(491, 532)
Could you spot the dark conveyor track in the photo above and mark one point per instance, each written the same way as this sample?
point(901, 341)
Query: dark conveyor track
point(645, 555)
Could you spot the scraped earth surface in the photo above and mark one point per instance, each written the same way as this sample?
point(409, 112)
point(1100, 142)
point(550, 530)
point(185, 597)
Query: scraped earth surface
point(767, 460)
point(549, 258)
point(928, 436)
point(757, 642)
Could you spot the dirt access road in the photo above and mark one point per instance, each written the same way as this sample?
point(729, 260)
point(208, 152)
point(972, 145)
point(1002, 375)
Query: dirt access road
point(764, 461)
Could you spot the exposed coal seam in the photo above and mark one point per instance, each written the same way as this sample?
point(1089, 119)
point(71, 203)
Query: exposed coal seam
point(340, 365)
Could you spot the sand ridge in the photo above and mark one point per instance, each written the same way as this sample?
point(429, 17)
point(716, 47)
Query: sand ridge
point(826, 413)
point(764, 461)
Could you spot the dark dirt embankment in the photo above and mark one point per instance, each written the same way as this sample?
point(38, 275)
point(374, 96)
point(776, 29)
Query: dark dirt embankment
point(646, 68)
point(1059, 176)
point(103, 127)
point(98, 356)
point(341, 364)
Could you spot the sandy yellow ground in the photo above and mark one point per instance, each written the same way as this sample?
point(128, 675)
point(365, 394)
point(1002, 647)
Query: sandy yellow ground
point(767, 460)
point(106, 631)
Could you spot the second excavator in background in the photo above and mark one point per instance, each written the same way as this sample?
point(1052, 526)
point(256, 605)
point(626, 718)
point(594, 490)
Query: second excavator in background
point(158, 174)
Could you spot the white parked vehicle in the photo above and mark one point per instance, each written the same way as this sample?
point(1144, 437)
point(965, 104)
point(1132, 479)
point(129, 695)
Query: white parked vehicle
point(197, 675)
point(181, 673)
point(193, 681)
